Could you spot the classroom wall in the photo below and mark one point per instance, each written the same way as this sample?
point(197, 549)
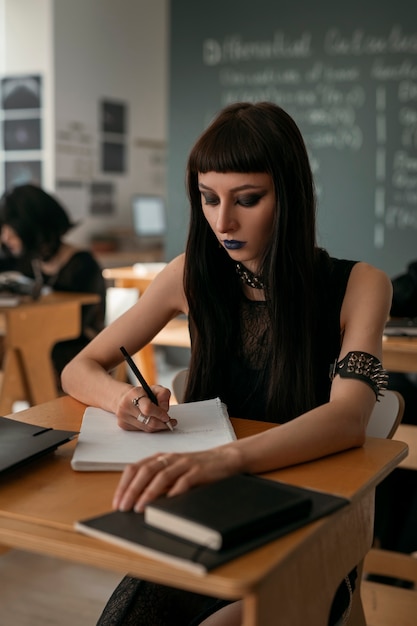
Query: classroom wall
point(114, 52)
point(86, 53)
point(354, 99)
point(347, 73)
point(26, 48)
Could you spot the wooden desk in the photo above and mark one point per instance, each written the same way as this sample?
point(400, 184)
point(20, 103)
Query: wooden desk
point(129, 277)
point(30, 331)
point(294, 577)
point(121, 258)
point(175, 333)
point(400, 354)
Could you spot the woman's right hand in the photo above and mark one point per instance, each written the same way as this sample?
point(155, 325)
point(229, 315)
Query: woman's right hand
point(136, 411)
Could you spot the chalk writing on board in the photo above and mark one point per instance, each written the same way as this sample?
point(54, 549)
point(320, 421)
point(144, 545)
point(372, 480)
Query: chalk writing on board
point(338, 86)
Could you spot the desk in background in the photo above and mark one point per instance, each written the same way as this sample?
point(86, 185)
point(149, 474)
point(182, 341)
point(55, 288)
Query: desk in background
point(30, 330)
point(121, 258)
point(400, 354)
point(139, 275)
point(294, 577)
point(174, 334)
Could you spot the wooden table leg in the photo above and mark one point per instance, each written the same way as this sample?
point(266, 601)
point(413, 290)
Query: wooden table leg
point(13, 384)
point(31, 335)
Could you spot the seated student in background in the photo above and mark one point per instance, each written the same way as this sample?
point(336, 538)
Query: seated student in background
point(33, 225)
point(269, 314)
point(396, 496)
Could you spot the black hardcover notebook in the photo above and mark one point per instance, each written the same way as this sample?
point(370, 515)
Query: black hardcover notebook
point(129, 530)
point(229, 511)
point(21, 443)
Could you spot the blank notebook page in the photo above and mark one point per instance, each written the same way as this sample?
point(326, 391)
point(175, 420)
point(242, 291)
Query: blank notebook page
point(102, 445)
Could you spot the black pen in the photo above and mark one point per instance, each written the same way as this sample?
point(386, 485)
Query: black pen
point(141, 379)
point(138, 375)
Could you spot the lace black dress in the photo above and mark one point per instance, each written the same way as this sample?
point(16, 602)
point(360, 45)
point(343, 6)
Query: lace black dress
point(141, 603)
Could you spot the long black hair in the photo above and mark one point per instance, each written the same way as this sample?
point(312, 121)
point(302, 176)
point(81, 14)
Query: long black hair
point(37, 218)
point(254, 138)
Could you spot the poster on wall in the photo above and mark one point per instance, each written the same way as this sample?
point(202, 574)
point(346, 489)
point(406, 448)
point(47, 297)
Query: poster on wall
point(102, 198)
point(75, 151)
point(22, 172)
point(73, 196)
point(22, 134)
point(113, 126)
point(113, 157)
point(21, 92)
point(113, 117)
point(20, 101)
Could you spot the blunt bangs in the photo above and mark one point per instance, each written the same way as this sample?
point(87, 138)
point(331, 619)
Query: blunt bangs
point(230, 147)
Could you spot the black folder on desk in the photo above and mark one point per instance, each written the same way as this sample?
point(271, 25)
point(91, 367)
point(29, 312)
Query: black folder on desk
point(21, 443)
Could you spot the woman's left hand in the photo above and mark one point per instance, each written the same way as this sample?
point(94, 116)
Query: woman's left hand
point(172, 473)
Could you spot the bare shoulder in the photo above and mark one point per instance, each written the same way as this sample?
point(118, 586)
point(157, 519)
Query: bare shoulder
point(173, 271)
point(177, 264)
point(169, 283)
point(368, 293)
point(364, 275)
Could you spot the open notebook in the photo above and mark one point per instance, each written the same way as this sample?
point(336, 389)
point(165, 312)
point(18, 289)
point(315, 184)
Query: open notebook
point(103, 446)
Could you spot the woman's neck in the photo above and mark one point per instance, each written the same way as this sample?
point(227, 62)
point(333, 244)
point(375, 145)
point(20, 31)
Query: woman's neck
point(257, 295)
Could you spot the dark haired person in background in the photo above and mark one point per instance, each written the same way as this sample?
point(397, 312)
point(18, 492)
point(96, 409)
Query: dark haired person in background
point(33, 225)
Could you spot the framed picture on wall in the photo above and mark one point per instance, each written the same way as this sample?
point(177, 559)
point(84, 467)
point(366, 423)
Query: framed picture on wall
point(21, 92)
point(113, 157)
point(22, 172)
point(22, 134)
point(102, 198)
point(113, 117)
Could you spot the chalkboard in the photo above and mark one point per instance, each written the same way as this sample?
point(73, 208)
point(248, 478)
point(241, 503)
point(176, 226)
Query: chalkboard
point(346, 72)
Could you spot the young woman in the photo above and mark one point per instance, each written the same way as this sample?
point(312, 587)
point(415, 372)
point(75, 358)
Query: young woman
point(270, 315)
point(33, 225)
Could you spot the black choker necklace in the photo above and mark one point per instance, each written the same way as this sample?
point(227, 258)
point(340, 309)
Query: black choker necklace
point(249, 278)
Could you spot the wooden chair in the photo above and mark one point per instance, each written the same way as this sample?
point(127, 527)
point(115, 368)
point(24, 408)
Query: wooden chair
point(388, 604)
point(178, 385)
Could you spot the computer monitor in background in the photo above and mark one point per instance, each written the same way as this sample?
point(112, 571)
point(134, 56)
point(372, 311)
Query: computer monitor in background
point(149, 218)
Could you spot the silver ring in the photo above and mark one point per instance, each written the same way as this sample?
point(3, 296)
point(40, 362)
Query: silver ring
point(144, 419)
point(135, 401)
point(163, 459)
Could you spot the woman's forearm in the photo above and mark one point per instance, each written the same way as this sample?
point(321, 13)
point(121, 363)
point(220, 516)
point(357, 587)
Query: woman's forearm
point(87, 381)
point(313, 435)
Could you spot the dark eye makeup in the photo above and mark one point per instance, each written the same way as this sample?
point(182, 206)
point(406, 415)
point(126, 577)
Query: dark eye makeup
point(248, 200)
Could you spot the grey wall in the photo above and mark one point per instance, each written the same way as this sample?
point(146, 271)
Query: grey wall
point(346, 72)
point(86, 52)
point(115, 52)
